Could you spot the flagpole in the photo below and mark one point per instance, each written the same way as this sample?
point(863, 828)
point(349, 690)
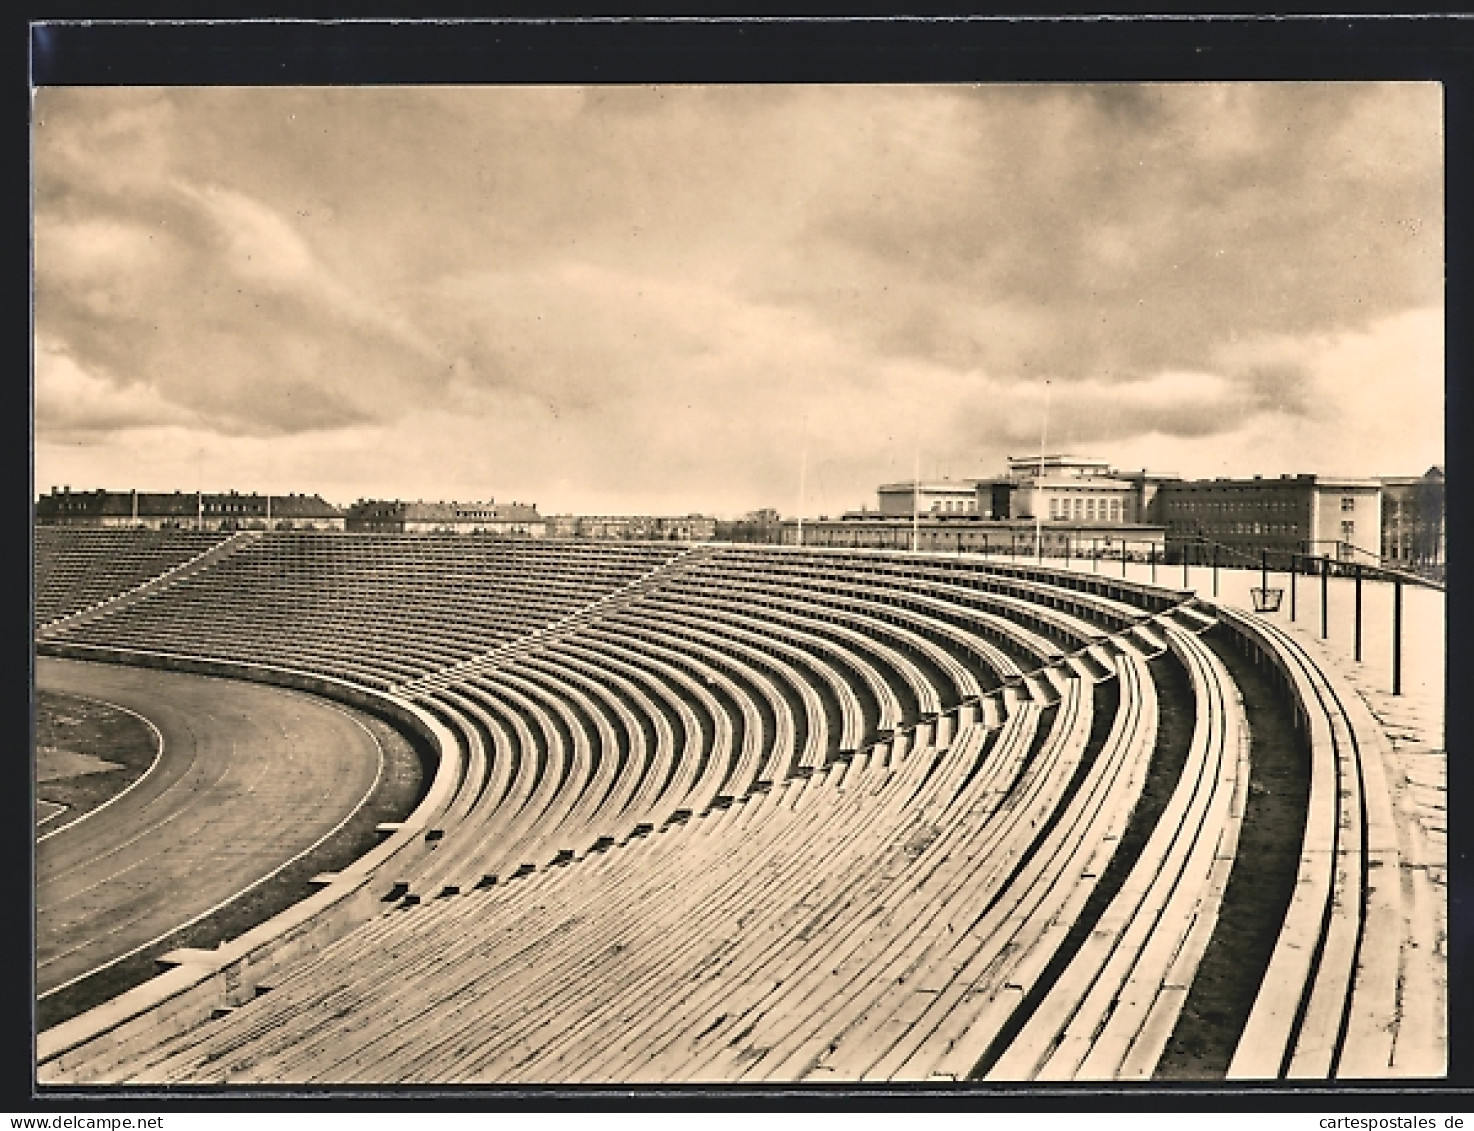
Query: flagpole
point(803, 467)
point(1039, 488)
point(916, 495)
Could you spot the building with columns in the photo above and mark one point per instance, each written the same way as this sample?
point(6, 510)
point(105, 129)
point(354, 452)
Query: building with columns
point(1069, 505)
point(1062, 489)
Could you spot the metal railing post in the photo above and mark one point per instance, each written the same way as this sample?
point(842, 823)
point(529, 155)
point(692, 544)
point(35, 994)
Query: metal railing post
point(1357, 650)
point(1294, 569)
point(1325, 590)
point(1215, 569)
point(1152, 555)
point(1397, 636)
point(1264, 573)
point(1185, 582)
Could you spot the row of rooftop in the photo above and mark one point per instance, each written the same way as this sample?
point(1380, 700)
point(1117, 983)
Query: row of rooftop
point(1064, 503)
point(235, 510)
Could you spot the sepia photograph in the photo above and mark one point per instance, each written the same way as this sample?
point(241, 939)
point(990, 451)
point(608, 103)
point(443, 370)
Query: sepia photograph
point(771, 584)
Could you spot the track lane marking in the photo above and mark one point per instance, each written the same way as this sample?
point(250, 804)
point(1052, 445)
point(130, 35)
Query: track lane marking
point(113, 850)
point(183, 782)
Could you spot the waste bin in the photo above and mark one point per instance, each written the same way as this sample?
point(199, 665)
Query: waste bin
point(1267, 600)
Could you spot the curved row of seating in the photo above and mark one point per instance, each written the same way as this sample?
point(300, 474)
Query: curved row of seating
point(722, 652)
point(1112, 1010)
point(375, 609)
point(1350, 991)
point(746, 814)
point(968, 785)
point(79, 567)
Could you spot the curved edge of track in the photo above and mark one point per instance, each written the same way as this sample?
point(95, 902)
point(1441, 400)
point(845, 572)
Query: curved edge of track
point(132, 785)
point(220, 905)
point(82, 1030)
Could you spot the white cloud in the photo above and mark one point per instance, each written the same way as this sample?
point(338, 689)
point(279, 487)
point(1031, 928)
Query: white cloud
point(70, 400)
point(264, 249)
point(87, 251)
point(658, 298)
point(1376, 400)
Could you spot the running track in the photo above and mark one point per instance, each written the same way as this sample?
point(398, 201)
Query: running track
point(250, 777)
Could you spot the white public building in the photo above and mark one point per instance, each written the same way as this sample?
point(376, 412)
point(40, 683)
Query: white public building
point(1061, 488)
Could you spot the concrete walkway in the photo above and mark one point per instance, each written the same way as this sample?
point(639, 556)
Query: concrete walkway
point(1414, 721)
point(1414, 717)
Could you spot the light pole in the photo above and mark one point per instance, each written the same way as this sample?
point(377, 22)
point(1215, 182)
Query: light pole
point(803, 467)
point(916, 493)
point(1039, 483)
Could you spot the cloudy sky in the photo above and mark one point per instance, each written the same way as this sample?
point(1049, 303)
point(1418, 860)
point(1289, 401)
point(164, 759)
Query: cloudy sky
point(654, 299)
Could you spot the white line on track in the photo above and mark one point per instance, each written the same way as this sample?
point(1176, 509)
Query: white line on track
point(118, 848)
point(378, 773)
point(158, 757)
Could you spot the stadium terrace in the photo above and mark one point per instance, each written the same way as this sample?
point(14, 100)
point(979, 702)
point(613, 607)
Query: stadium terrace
point(710, 812)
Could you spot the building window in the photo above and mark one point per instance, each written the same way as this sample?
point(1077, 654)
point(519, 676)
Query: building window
point(1348, 502)
point(1348, 530)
